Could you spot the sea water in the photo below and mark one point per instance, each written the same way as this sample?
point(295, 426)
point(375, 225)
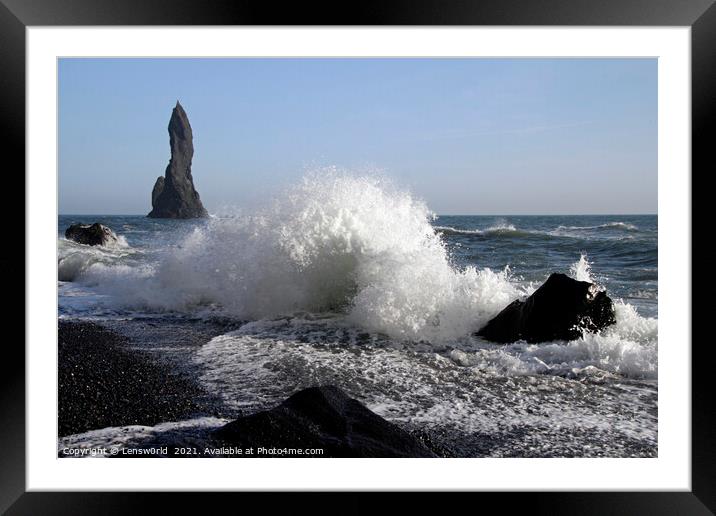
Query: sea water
point(350, 280)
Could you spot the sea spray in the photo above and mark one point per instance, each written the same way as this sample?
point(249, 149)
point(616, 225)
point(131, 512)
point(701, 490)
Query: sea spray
point(333, 242)
point(582, 269)
point(470, 395)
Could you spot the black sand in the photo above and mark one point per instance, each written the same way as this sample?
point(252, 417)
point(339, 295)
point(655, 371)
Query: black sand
point(102, 383)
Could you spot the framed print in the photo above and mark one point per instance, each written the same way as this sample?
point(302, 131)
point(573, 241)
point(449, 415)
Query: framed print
point(436, 250)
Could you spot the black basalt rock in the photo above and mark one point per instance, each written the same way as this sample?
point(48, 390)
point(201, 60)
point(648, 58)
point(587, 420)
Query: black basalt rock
point(94, 234)
point(174, 195)
point(561, 309)
point(323, 417)
point(158, 188)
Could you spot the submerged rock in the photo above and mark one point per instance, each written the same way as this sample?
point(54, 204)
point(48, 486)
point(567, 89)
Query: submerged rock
point(174, 195)
point(323, 417)
point(95, 234)
point(561, 309)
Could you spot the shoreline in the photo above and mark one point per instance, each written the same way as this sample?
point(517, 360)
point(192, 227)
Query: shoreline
point(102, 383)
point(146, 391)
point(116, 399)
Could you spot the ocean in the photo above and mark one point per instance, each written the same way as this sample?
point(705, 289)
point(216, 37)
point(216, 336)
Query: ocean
point(353, 282)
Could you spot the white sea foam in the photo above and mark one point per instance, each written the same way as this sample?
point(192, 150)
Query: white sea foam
point(99, 443)
point(332, 242)
point(502, 227)
point(346, 282)
point(356, 246)
point(629, 348)
point(73, 259)
point(470, 385)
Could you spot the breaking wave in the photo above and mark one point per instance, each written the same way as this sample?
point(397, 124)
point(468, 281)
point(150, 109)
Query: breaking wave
point(332, 243)
point(73, 259)
point(610, 225)
point(498, 229)
point(357, 247)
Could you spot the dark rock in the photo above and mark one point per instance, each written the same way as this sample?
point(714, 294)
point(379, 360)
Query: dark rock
point(323, 417)
point(158, 187)
point(174, 195)
point(561, 309)
point(95, 234)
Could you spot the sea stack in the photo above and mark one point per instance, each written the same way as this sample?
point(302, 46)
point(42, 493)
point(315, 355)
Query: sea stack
point(174, 195)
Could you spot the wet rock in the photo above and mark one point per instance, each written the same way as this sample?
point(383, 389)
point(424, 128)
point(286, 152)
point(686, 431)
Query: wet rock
point(174, 195)
point(327, 418)
point(561, 309)
point(94, 234)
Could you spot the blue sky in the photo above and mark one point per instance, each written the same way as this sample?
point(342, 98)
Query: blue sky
point(469, 136)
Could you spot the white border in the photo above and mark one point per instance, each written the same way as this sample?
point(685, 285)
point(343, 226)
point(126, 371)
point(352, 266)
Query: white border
point(670, 471)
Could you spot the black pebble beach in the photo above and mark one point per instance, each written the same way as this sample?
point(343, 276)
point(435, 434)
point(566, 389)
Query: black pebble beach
point(101, 383)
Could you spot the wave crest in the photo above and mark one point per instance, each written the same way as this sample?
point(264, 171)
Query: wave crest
point(334, 242)
point(74, 259)
point(609, 225)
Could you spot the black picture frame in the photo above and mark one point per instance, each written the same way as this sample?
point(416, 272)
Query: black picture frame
point(16, 15)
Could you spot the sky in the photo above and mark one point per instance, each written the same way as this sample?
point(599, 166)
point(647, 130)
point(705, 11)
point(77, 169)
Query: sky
point(468, 136)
